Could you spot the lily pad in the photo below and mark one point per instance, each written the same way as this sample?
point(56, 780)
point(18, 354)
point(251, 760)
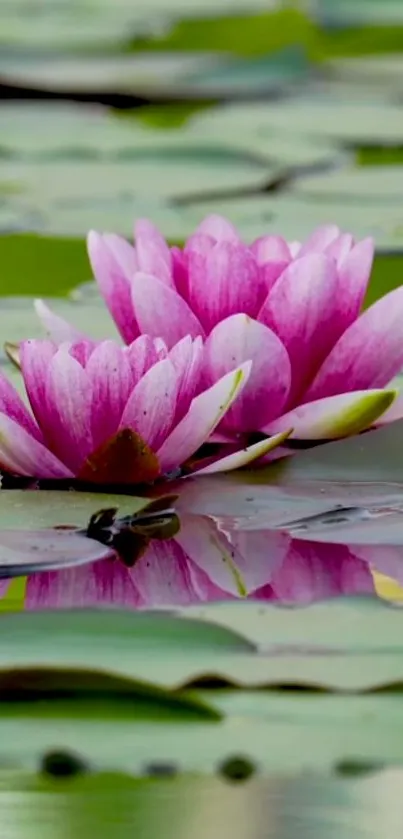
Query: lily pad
point(197, 74)
point(338, 645)
point(52, 508)
point(361, 13)
point(250, 126)
point(311, 804)
point(369, 459)
point(70, 23)
point(380, 73)
point(27, 551)
point(380, 184)
point(294, 215)
point(69, 197)
point(351, 122)
point(313, 734)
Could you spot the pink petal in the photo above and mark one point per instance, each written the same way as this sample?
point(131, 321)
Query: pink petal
point(22, 454)
point(271, 249)
point(227, 281)
point(180, 272)
point(354, 273)
point(305, 311)
point(162, 576)
point(187, 359)
point(69, 410)
point(193, 259)
point(123, 253)
point(204, 588)
point(243, 457)
point(200, 243)
point(270, 273)
point(368, 355)
point(236, 561)
point(238, 339)
point(142, 354)
point(219, 228)
point(36, 356)
point(385, 559)
point(153, 253)
point(295, 248)
point(98, 584)
point(113, 281)
point(340, 247)
point(57, 328)
point(151, 408)
point(334, 416)
point(82, 351)
point(12, 405)
point(205, 413)
point(111, 382)
point(312, 571)
point(161, 312)
point(320, 239)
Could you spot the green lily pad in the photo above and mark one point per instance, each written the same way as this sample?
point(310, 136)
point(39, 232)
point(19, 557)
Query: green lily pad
point(93, 23)
point(312, 733)
point(353, 121)
point(200, 74)
point(295, 215)
point(126, 665)
point(339, 645)
point(361, 13)
point(369, 459)
point(71, 197)
point(310, 804)
point(381, 184)
point(380, 73)
point(53, 692)
point(250, 126)
point(49, 508)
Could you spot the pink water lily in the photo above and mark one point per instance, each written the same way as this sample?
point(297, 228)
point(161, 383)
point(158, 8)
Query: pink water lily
point(109, 414)
point(319, 366)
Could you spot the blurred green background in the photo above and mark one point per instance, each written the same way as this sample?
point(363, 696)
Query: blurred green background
point(280, 115)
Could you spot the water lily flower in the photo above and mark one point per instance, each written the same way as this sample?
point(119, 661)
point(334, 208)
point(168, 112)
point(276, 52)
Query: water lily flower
point(319, 365)
point(203, 564)
point(108, 414)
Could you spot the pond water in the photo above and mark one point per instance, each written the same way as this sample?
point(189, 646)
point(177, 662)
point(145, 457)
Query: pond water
point(221, 655)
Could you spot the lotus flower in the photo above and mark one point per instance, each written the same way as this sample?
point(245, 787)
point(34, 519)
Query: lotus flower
point(110, 414)
point(319, 366)
point(204, 563)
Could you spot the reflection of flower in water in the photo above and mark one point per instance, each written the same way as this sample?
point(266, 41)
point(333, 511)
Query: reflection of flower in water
point(203, 563)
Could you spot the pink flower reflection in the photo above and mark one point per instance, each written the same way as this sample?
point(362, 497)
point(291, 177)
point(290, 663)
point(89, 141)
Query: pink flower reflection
point(314, 571)
point(204, 563)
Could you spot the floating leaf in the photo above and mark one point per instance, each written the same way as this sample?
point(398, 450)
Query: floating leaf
point(27, 551)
